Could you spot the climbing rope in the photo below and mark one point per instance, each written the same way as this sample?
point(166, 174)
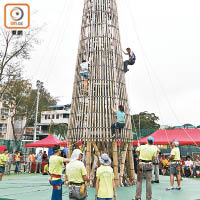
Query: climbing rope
point(147, 64)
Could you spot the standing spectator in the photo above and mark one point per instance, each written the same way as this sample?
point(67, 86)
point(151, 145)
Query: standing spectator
point(10, 162)
point(45, 157)
point(31, 160)
point(165, 165)
point(155, 171)
point(105, 184)
point(188, 165)
point(17, 161)
point(39, 162)
point(21, 159)
point(196, 165)
point(135, 157)
point(182, 165)
point(25, 164)
point(3, 160)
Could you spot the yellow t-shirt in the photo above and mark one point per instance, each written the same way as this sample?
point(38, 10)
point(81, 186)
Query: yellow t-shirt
point(147, 152)
point(176, 153)
point(75, 171)
point(3, 159)
point(105, 175)
point(165, 162)
point(55, 165)
point(46, 168)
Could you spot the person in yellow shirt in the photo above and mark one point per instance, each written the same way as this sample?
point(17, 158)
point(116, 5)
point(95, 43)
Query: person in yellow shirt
point(46, 169)
point(55, 170)
point(175, 167)
point(3, 160)
point(76, 175)
point(165, 165)
point(147, 156)
point(105, 184)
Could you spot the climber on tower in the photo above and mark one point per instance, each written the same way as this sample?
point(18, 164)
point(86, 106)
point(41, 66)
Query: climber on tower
point(120, 120)
point(131, 60)
point(85, 72)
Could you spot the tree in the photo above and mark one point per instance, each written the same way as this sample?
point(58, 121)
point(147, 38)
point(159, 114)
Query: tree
point(145, 120)
point(21, 100)
point(13, 50)
point(59, 130)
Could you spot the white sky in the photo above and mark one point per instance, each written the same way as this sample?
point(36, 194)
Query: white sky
point(164, 35)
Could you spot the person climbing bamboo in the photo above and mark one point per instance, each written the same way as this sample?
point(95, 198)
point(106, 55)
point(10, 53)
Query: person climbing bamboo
point(130, 61)
point(85, 72)
point(120, 120)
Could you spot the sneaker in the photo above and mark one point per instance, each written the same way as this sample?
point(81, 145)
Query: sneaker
point(156, 182)
point(170, 188)
point(178, 188)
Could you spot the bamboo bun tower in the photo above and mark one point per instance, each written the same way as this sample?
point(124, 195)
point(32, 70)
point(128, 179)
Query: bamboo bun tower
point(91, 112)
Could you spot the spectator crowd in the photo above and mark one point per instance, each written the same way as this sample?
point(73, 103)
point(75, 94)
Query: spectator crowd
point(21, 163)
point(190, 167)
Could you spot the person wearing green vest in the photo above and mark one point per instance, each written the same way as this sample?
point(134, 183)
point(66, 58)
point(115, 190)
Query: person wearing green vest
point(105, 184)
point(76, 175)
point(55, 171)
point(147, 156)
point(175, 167)
point(3, 161)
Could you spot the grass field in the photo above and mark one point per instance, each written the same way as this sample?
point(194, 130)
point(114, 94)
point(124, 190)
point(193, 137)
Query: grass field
point(36, 187)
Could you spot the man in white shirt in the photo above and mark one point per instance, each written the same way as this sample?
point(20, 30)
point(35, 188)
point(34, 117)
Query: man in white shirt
point(85, 72)
point(188, 165)
point(130, 61)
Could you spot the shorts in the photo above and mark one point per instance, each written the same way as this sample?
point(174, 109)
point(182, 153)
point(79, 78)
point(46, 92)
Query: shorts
point(2, 169)
point(174, 170)
point(85, 75)
point(166, 167)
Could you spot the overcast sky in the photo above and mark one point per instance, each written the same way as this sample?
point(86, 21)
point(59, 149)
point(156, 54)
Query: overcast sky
point(165, 36)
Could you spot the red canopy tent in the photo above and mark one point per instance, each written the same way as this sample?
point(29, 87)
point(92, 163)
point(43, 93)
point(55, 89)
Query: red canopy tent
point(164, 137)
point(2, 148)
point(49, 141)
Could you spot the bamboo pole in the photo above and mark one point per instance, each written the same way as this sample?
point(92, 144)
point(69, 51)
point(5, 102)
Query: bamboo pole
point(115, 163)
point(70, 149)
point(124, 152)
point(131, 162)
point(88, 158)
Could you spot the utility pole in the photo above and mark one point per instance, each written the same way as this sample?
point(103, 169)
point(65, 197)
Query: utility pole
point(139, 128)
point(39, 86)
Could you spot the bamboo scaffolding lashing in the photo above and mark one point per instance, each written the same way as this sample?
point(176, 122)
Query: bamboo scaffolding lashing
point(91, 115)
